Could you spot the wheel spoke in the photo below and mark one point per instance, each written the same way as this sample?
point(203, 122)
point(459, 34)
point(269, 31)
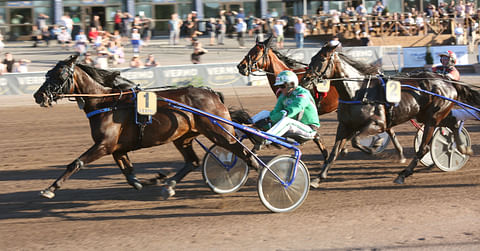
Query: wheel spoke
point(443, 140)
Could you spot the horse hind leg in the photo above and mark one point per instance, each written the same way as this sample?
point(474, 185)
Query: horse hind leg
point(123, 162)
point(372, 128)
point(95, 152)
point(185, 146)
point(426, 138)
point(456, 126)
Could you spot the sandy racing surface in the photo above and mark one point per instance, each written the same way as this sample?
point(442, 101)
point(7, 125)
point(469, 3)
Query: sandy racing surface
point(358, 208)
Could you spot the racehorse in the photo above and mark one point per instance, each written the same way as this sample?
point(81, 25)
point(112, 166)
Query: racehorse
point(107, 100)
point(264, 58)
point(363, 108)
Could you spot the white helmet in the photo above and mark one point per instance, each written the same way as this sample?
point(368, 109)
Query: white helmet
point(451, 58)
point(287, 78)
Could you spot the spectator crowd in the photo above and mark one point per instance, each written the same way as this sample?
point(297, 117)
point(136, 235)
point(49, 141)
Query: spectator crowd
point(105, 49)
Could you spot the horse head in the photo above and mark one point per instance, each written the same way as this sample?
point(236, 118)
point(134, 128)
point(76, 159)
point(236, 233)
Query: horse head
point(322, 64)
point(58, 80)
point(256, 58)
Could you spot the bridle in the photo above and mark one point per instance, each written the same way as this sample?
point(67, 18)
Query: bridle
point(329, 66)
point(254, 65)
point(54, 90)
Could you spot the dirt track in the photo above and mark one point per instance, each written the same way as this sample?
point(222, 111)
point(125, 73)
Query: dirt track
point(358, 208)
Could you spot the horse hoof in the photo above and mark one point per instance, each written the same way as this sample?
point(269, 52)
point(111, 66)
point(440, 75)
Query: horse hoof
point(315, 182)
point(137, 185)
point(403, 160)
point(167, 192)
point(172, 183)
point(344, 152)
point(323, 175)
point(47, 194)
point(399, 180)
point(466, 150)
point(161, 176)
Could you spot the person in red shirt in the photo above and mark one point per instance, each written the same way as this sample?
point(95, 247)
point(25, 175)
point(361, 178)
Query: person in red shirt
point(118, 20)
point(92, 34)
point(447, 68)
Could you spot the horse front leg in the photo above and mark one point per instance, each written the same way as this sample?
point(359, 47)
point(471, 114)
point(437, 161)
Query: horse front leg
point(95, 152)
point(422, 150)
point(185, 146)
point(125, 165)
point(340, 140)
point(321, 146)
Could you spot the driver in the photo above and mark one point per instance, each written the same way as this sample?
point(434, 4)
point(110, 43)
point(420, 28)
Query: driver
point(447, 68)
point(294, 113)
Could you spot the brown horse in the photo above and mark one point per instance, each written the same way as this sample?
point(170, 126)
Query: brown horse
point(363, 109)
point(111, 112)
point(264, 58)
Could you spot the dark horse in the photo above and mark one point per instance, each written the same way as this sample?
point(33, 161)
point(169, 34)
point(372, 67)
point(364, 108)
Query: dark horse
point(363, 109)
point(264, 58)
point(113, 124)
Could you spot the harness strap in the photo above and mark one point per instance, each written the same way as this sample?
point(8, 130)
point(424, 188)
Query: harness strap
point(91, 114)
point(350, 102)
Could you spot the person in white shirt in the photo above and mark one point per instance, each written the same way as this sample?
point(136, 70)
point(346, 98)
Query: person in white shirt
point(278, 32)
point(22, 66)
point(420, 23)
point(81, 42)
point(64, 38)
point(68, 23)
point(361, 10)
point(459, 34)
point(102, 59)
point(241, 29)
point(136, 41)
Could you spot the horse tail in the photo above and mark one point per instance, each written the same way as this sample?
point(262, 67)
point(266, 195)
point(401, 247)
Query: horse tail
point(467, 94)
point(239, 116)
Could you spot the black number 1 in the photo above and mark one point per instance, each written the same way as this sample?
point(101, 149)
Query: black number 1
point(146, 100)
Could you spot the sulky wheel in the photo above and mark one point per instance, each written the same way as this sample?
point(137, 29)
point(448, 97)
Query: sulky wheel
point(427, 158)
point(223, 171)
point(377, 143)
point(444, 151)
point(276, 197)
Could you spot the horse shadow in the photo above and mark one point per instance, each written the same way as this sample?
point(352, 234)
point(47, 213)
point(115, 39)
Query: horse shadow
point(28, 205)
point(90, 172)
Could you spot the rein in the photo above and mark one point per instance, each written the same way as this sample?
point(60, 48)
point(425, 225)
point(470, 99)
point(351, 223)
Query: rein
point(254, 64)
point(94, 95)
point(66, 85)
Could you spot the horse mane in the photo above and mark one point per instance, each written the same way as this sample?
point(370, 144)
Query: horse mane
point(362, 67)
point(113, 79)
point(290, 62)
point(219, 94)
point(108, 78)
